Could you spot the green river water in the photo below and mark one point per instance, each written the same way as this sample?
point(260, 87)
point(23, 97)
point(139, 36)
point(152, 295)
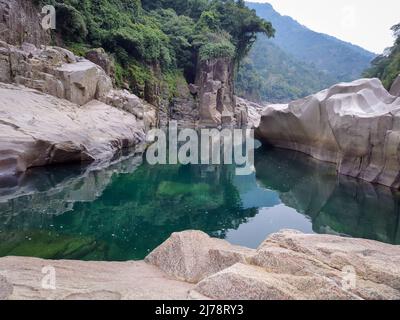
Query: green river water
point(123, 211)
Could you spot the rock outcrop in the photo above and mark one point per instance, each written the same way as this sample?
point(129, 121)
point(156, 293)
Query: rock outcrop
point(38, 129)
point(215, 89)
point(192, 255)
point(78, 116)
point(191, 265)
point(288, 265)
point(20, 21)
point(395, 89)
point(102, 59)
point(55, 71)
point(355, 125)
point(247, 114)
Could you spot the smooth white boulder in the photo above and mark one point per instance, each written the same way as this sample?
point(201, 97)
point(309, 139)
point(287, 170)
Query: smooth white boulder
point(355, 125)
point(38, 129)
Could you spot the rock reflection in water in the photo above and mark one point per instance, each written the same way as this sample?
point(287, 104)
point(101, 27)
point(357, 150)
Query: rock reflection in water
point(335, 203)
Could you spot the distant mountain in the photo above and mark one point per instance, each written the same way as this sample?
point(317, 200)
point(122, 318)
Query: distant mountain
point(270, 74)
point(302, 51)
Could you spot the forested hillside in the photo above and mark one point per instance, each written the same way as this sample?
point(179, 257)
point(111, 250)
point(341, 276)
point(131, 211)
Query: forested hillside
point(270, 74)
point(308, 61)
point(387, 66)
point(158, 41)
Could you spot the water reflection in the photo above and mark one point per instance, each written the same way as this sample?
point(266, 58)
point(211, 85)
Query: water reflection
point(335, 204)
point(124, 210)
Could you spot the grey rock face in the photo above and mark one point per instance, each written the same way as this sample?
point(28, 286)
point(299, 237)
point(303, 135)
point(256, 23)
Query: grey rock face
point(215, 89)
point(20, 21)
point(293, 265)
point(101, 58)
point(395, 89)
point(55, 71)
point(356, 125)
point(38, 129)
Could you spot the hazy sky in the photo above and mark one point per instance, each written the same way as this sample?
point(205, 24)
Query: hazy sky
point(363, 22)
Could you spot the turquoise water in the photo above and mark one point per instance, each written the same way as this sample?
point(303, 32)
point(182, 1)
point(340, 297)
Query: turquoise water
point(123, 211)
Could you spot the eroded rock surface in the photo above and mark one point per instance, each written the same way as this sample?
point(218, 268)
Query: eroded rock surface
point(287, 265)
point(248, 114)
point(192, 255)
point(293, 265)
point(20, 21)
point(38, 129)
point(55, 71)
point(79, 280)
point(215, 89)
point(356, 125)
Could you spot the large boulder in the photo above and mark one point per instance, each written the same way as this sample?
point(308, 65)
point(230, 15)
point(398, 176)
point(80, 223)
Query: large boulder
point(38, 129)
point(293, 265)
point(83, 81)
point(192, 255)
point(246, 282)
point(395, 89)
point(55, 71)
point(371, 260)
point(355, 125)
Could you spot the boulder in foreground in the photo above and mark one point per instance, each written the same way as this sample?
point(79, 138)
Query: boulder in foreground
point(191, 265)
point(192, 255)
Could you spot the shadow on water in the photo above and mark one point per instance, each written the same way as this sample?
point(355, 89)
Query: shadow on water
point(124, 210)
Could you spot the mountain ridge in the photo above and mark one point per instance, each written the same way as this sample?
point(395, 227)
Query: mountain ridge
point(301, 50)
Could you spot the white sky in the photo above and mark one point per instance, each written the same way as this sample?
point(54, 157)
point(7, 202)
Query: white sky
point(363, 22)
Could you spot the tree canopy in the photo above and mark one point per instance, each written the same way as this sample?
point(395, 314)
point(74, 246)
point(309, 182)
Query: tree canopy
point(387, 66)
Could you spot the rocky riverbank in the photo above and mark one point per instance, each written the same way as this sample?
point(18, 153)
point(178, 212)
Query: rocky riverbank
point(58, 108)
point(355, 125)
point(191, 265)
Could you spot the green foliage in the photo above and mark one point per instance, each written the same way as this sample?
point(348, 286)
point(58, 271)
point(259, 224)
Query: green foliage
point(71, 23)
point(387, 66)
point(223, 49)
point(166, 35)
point(79, 49)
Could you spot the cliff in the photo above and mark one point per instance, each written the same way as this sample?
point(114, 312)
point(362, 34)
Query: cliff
point(20, 21)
